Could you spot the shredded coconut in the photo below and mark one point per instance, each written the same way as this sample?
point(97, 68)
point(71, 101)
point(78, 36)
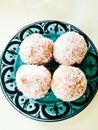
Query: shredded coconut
point(34, 81)
point(70, 48)
point(36, 49)
point(68, 83)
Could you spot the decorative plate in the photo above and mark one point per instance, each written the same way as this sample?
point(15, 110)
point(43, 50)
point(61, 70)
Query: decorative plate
point(48, 108)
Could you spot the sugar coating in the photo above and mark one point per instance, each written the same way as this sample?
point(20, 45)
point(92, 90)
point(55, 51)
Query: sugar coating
point(36, 49)
point(70, 48)
point(33, 81)
point(68, 83)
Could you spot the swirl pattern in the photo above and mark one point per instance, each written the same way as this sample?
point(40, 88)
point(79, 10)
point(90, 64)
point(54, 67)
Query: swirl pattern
point(48, 108)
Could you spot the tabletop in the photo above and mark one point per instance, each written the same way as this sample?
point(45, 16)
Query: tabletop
point(16, 14)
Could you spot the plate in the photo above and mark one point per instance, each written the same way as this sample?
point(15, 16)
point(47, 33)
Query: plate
point(48, 108)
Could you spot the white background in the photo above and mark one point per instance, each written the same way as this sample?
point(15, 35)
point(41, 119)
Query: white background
point(15, 14)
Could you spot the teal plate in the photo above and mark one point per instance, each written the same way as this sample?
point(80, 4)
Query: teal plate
point(48, 108)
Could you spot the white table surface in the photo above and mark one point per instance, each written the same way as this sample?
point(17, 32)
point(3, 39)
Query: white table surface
point(15, 14)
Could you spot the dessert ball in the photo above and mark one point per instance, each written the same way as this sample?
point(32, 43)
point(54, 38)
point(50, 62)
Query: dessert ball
point(69, 83)
point(70, 48)
point(33, 81)
point(36, 49)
